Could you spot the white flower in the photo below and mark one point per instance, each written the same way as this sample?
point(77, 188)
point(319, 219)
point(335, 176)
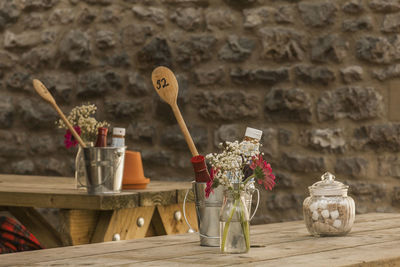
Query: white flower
point(82, 116)
point(230, 163)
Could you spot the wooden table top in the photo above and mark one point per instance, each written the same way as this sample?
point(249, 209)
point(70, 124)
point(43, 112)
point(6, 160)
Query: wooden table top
point(60, 192)
point(374, 239)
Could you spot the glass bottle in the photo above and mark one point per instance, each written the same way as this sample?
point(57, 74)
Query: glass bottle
point(101, 137)
point(328, 211)
point(252, 137)
point(118, 137)
point(234, 223)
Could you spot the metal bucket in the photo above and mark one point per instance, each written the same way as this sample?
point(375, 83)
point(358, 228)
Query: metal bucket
point(104, 169)
point(208, 211)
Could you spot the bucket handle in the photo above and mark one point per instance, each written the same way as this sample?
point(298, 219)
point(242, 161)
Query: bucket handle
point(190, 227)
point(187, 222)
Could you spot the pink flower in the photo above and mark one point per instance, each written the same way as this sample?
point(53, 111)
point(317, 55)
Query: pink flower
point(209, 187)
point(263, 172)
point(69, 140)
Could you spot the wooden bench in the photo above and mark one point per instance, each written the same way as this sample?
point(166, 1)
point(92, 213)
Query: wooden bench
point(156, 210)
point(374, 241)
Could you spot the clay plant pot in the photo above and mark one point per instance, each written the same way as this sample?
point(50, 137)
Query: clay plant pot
point(133, 171)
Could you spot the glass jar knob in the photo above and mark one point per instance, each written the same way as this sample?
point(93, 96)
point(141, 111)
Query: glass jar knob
point(329, 177)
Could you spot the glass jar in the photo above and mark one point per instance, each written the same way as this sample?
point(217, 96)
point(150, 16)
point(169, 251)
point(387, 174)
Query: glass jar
point(234, 223)
point(328, 211)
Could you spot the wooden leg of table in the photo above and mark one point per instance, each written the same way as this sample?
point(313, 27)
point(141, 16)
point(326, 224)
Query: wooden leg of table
point(78, 225)
point(172, 218)
point(100, 229)
point(151, 231)
point(123, 222)
point(156, 227)
point(38, 226)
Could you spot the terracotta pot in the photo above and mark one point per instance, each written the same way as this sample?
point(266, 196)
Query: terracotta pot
point(133, 171)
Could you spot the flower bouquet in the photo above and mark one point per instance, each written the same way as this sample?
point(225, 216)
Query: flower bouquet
point(236, 168)
point(81, 117)
point(84, 123)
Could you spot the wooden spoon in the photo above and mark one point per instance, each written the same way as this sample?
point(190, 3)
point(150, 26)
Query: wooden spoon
point(45, 94)
point(166, 85)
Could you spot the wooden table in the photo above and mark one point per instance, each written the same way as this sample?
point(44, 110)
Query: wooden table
point(374, 240)
point(95, 218)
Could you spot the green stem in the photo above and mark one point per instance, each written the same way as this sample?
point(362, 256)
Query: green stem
point(226, 227)
point(245, 226)
point(249, 178)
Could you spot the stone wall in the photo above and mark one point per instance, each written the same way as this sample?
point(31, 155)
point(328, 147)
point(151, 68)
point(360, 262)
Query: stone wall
point(320, 78)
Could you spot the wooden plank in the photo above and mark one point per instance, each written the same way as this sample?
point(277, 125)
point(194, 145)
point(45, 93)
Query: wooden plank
point(124, 223)
point(38, 226)
point(119, 201)
point(131, 229)
point(276, 251)
point(33, 257)
point(79, 225)
point(280, 243)
point(181, 195)
point(366, 255)
point(157, 198)
point(68, 201)
point(174, 225)
point(296, 226)
point(296, 231)
point(156, 186)
point(67, 183)
point(37, 181)
point(60, 192)
point(101, 227)
point(185, 254)
point(171, 224)
point(191, 215)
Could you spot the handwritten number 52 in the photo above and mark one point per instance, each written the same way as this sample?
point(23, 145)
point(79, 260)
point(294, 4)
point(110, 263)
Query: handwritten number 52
point(162, 83)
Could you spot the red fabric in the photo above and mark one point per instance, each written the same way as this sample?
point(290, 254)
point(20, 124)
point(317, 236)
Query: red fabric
point(15, 237)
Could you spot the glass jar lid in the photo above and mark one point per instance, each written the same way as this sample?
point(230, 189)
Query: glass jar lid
point(328, 186)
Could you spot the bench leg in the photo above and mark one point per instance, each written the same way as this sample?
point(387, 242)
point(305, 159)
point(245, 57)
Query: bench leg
point(123, 222)
point(78, 225)
point(172, 218)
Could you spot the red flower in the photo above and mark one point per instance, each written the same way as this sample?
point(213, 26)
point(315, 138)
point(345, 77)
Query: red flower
point(209, 187)
point(69, 140)
point(263, 172)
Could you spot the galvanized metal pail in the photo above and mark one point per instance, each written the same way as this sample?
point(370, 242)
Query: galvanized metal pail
point(104, 169)
point(208, 211)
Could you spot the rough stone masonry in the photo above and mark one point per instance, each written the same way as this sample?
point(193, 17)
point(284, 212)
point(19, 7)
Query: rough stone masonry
point(320, 78)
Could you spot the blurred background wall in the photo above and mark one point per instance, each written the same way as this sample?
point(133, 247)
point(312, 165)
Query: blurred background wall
point(320, 78)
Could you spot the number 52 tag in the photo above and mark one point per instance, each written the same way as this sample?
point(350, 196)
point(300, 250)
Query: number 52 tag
point(162, 83)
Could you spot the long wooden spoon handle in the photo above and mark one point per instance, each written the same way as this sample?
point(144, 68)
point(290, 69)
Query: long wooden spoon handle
point(45, 94)
point(74, 133)
point(184, 130)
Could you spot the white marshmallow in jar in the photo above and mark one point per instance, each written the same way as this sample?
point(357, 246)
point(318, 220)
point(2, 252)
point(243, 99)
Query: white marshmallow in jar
point(329, 211)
